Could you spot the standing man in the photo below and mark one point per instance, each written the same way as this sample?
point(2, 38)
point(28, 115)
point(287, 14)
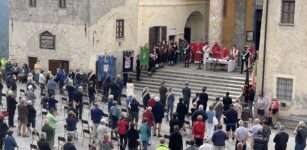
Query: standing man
point(158, 113)
point(163, 91)
point(203, 98)
point(244, 58)
point(241, 134)
point(261, 105)
point(251, 98)
point(206, 51)
point(216, 50)
point(234, 53)
point(92, 77)
point(78, 98)
point(53, 120)
point(186, 92)
point(227, 101)
point(231, 121)
point(186, 53)
point(42, 81)
point(301, 133)
point(96, 116)
point(281, 139)
point(120, 86)
point(138, 68)
point(37, 70)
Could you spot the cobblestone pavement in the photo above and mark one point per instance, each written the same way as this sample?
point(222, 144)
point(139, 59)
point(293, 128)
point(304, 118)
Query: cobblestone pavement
point(24, 142)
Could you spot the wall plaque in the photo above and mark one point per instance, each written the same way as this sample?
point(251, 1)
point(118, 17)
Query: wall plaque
point(46, 40)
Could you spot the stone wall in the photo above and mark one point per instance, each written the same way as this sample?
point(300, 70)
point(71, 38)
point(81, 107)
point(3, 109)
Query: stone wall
point(285, 56)
point(172, 14)
point(82, 34)
point(71, 43)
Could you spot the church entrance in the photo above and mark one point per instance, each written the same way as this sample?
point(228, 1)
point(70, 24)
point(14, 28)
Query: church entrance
point(195, 27)
point(157, 35)
point(32, 62)
point(55, 64)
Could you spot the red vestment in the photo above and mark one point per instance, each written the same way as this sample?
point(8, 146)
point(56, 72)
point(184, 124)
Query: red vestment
point(251, 55)
point(216, 50)
point(201, 45)
point(224, 53)
point(198, 53)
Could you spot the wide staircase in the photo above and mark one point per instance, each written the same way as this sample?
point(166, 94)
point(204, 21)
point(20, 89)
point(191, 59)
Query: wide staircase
point(217, 83)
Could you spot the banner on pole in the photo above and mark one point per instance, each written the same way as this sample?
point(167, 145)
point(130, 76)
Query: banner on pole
point(144, 56)
point(128, 61)
point(105, 66)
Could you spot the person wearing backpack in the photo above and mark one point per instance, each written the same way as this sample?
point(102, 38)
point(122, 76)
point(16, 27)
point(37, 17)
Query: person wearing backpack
point(198, 130)
point(123, 126)
point(105, 144)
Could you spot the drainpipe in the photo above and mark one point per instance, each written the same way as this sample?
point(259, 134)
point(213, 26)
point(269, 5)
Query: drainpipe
point(265, 44)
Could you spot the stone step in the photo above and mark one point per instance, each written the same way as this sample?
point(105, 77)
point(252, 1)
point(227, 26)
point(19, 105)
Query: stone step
point(179, 87)
point(192, 72)
point(196, 84)
point(292, 121)
point(177, 93)
point(164, 76)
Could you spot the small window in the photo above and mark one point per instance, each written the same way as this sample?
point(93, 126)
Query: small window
point(224, 8)
point(62, 3)
point(120, 28)
point(287, 11)
point(32, 3)
point(284, 88)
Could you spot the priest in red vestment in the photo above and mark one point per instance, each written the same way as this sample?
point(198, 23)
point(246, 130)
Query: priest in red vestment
point(201, 44)
point(251, 54)
point(224, 53)
point(198, 53)
point(193, 50)
point(216, 50)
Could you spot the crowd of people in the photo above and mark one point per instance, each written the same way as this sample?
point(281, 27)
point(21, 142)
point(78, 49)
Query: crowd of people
point(140, 119)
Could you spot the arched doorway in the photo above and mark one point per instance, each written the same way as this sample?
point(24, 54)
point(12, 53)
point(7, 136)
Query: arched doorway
point(194, 29)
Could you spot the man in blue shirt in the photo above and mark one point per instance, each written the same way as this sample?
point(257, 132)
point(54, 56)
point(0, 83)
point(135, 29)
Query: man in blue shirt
point(9, 141)
point(96, 116)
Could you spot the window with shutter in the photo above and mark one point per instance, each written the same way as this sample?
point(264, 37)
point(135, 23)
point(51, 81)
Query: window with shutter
point(287, 12)
point(284, 88)
point(120, 28)
point(62, 3)
point(32, 3)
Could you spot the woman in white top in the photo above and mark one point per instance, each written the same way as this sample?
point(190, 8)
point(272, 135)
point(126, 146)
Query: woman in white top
point(129, 92)
point(130, 88)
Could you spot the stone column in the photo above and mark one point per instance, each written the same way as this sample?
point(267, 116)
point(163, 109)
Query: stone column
point(215, 21)
point(239, 34)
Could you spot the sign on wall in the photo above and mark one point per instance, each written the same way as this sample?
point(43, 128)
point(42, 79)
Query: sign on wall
point(46, 40)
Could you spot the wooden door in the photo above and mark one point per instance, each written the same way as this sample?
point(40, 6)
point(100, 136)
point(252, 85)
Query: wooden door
point(163, 33)
point(64, 65)
point(187, 34)
point(32, 62)
point(54, 65)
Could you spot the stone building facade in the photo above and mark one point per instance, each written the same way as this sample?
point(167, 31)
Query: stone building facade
point(240, 19)
point(86, 29)
point(282, 65)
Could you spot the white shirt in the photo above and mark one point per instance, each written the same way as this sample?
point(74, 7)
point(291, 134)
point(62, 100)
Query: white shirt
point(42, 78)
point(241, 133)
point(255, 128)
point(261, 103)
point(130, 89)
point(102, 130)
point(206, 146)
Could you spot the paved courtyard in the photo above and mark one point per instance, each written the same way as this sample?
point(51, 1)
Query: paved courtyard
point(24, 142)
